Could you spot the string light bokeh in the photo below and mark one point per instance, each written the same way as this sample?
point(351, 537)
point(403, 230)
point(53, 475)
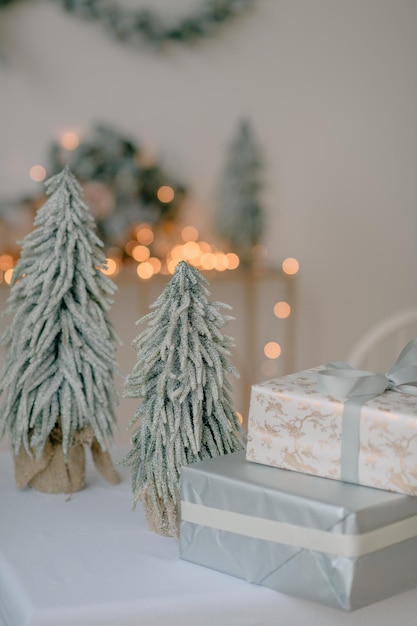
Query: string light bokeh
point(37, 173)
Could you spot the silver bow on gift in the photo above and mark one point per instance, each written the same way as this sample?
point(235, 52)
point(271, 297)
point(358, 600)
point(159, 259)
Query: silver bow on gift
point(355, 388)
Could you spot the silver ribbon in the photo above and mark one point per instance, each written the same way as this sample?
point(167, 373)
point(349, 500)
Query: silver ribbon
point(355, 388)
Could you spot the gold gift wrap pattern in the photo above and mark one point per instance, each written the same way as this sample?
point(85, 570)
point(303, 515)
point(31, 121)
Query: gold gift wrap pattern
point(293, 427)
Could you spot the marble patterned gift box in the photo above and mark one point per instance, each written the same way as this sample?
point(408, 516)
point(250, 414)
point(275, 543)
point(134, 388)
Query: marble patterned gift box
point(293, 426)
point(332, 542)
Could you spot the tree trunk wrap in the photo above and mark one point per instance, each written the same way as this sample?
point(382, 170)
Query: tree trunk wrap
point(53, 473)
point(161, 517)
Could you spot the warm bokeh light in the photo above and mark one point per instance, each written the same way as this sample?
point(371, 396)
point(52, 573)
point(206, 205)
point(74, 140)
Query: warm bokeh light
point(165, 193)
point(6, 262)
point(69, 140)
point(208, 261)
point(191, 250)
point(199, 254)
point(189, 233)
point(204, 246)
point(272, 350)
point(222, 262)
point(130, 246)
point(145, 270)
point(156, 264)
point(282, 310)
point(37, 173)
point(141, 253)
point(171, 265)
point(232, 260)
point(239, 417)
point(175, 254)
point(113, 267)
point(144, 235)
point(8, 276)
point(290, 266)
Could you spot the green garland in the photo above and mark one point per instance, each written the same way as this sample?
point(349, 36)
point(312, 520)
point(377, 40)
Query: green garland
point(145, 25)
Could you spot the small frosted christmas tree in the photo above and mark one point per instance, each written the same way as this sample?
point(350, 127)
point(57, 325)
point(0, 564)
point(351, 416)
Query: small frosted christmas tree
point(186, 414)
point(239, 217)
point(57, 380)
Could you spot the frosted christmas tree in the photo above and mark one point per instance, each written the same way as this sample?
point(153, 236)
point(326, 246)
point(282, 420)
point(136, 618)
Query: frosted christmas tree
point(239, 217)
point(186, 413)
point(57, 381)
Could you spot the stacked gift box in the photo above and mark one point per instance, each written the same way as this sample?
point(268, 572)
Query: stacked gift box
point(270, 514)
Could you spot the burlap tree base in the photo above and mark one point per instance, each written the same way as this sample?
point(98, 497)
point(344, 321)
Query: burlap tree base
point(53, 473)
point(161, 517)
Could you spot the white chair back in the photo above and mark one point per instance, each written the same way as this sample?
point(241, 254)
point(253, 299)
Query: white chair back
point(378, 348)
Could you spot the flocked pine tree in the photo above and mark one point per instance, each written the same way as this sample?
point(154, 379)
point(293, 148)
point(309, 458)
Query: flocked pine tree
point(186, 413)
point(239, 216)
point(57, 380)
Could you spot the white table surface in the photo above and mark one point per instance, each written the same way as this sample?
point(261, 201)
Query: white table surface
point(89, 560)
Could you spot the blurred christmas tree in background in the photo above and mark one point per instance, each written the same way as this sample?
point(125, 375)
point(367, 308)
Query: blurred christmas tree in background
point(239, 218)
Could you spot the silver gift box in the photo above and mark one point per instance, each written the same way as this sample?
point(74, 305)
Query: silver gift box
point(340, 544)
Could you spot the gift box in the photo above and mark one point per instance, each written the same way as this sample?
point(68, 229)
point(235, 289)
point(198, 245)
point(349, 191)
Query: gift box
point(297, 423)
point(332, 542)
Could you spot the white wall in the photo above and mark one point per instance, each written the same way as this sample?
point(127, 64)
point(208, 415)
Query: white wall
point(330, 88)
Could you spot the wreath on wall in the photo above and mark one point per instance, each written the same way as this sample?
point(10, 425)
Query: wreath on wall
point(122, 187)
point(146, 26)
point(121, 184)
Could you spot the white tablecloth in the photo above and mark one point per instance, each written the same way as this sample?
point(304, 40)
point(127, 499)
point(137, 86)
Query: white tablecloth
point(89, 560)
